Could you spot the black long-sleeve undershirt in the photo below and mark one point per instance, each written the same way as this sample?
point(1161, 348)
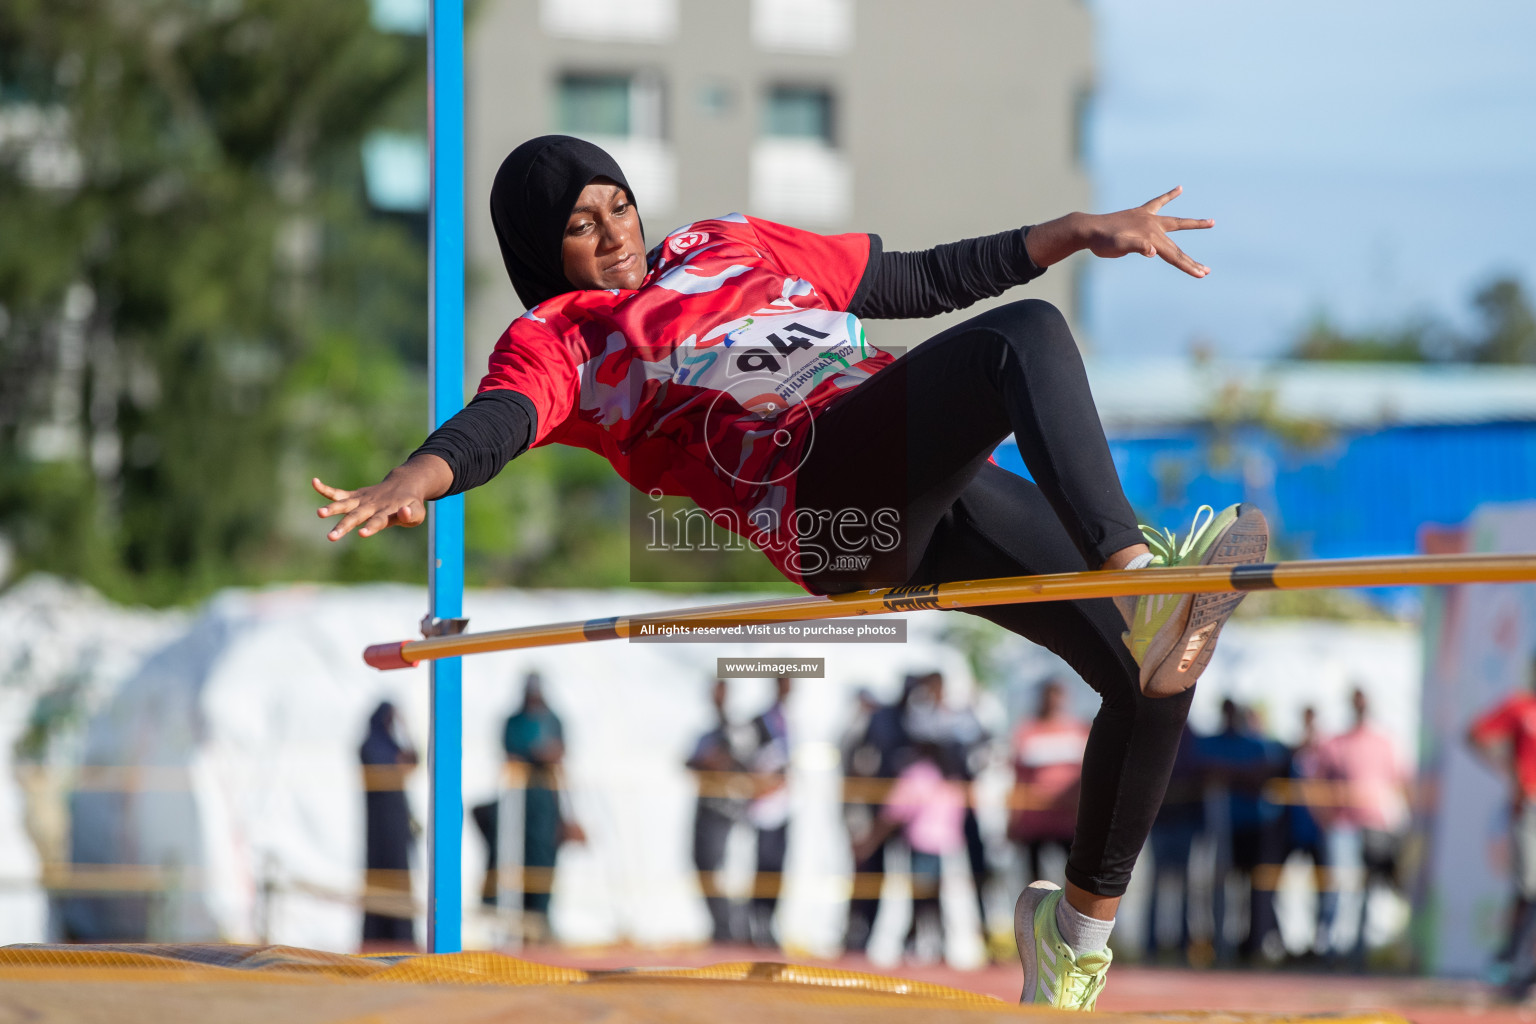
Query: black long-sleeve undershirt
point(498, 426)
point(907, 285)
point(481, 438)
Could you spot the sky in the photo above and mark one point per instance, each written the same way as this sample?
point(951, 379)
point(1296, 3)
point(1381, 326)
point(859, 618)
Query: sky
point(1364, 160)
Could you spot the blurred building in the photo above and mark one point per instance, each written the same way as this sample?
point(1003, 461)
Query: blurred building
point(920, 122)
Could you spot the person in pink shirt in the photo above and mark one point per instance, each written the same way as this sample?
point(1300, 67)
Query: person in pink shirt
point(927, 804)
point(1371, 785)
point(1048, 773)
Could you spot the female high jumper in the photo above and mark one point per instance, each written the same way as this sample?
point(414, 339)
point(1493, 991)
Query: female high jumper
point(729, 365)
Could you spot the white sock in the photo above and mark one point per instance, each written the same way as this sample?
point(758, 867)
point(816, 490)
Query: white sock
point(1083, 933)
point(1141, 561)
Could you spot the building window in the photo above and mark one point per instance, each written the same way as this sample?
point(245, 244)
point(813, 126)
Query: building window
point(396, 172)
point(623, 113)
point(610, 105)
point(798, 112)
point(802, 26)
point(648, 21)
point(798, 175)
point(594, 105)
point(717, 99)
point(407, 17)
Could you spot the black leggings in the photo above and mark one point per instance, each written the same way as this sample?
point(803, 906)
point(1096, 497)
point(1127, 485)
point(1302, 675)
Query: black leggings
point(916, 437)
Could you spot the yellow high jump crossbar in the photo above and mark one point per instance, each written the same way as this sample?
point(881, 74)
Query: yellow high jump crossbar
point(1421, 570)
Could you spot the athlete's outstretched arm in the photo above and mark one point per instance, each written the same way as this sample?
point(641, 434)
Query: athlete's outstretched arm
point(496, 427)
point(955, 275)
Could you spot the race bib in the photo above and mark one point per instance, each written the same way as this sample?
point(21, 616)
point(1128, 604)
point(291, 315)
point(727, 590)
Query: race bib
point(768, 363)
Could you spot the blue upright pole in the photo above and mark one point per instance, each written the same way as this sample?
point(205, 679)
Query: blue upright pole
point(445, 43)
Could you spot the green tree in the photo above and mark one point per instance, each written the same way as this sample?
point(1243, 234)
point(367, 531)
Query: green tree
point(1505, 333)
point(197, 307)
point(1322, 341)
point(199, 311)
point(1508, 333)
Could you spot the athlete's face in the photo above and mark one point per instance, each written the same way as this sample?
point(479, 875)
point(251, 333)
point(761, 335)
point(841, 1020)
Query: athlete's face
point(603, 246)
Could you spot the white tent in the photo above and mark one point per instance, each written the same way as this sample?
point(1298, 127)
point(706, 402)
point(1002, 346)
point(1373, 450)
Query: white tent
point(260, 707)
point(251, 714)
point(64, 650)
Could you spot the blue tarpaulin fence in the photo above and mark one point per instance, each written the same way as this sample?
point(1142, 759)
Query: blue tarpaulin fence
point(1358, 493)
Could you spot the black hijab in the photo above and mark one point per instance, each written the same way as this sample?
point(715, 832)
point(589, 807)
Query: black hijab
point(531, 200)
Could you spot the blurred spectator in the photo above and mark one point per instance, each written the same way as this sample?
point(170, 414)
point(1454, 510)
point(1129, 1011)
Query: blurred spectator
point(874, 758)
point(1303, 830)
point(534, 738)
point(723, 789)
point(861, 757)
point(861, 774)
point(1373, 802)
point(769, 814)
point(1048, 771)
point(966, 747)
point(1264, 925)
point(959, 734)
point(1178, 822)
point(1505, 737)
point(388, 757)
point(928, 804)
point(1237, 762)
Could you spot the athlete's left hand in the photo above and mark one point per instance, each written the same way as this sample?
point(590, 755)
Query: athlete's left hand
point(1141, 229)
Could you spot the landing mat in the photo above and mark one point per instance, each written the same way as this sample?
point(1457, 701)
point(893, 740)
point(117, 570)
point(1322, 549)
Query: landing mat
point(163, 984)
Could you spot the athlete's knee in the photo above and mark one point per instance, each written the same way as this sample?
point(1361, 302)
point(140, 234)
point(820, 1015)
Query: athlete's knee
point(1153, 695)
point(1036, 330)
point(1165, 714)
point(1145, 711)
point(1035, 317)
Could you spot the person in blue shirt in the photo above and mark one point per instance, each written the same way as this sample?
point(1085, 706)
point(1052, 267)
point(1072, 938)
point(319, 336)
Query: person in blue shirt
point(534, 736)
point(1301, 828)
point(1240, 761)
point(1179, 821)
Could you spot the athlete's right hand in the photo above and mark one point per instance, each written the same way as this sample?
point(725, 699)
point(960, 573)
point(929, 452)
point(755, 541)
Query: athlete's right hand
point(400, 499)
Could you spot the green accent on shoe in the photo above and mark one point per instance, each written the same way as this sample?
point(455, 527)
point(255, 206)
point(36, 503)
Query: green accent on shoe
point(1154, 611)
point(1063, 979)
point(1172, 636)
point(1165, 547)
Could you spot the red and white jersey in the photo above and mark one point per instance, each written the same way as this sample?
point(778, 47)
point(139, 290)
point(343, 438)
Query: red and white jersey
point(705, 381)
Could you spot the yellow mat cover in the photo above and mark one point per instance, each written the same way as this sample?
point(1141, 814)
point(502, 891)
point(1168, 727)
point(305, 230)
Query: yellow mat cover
point(167, 983)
